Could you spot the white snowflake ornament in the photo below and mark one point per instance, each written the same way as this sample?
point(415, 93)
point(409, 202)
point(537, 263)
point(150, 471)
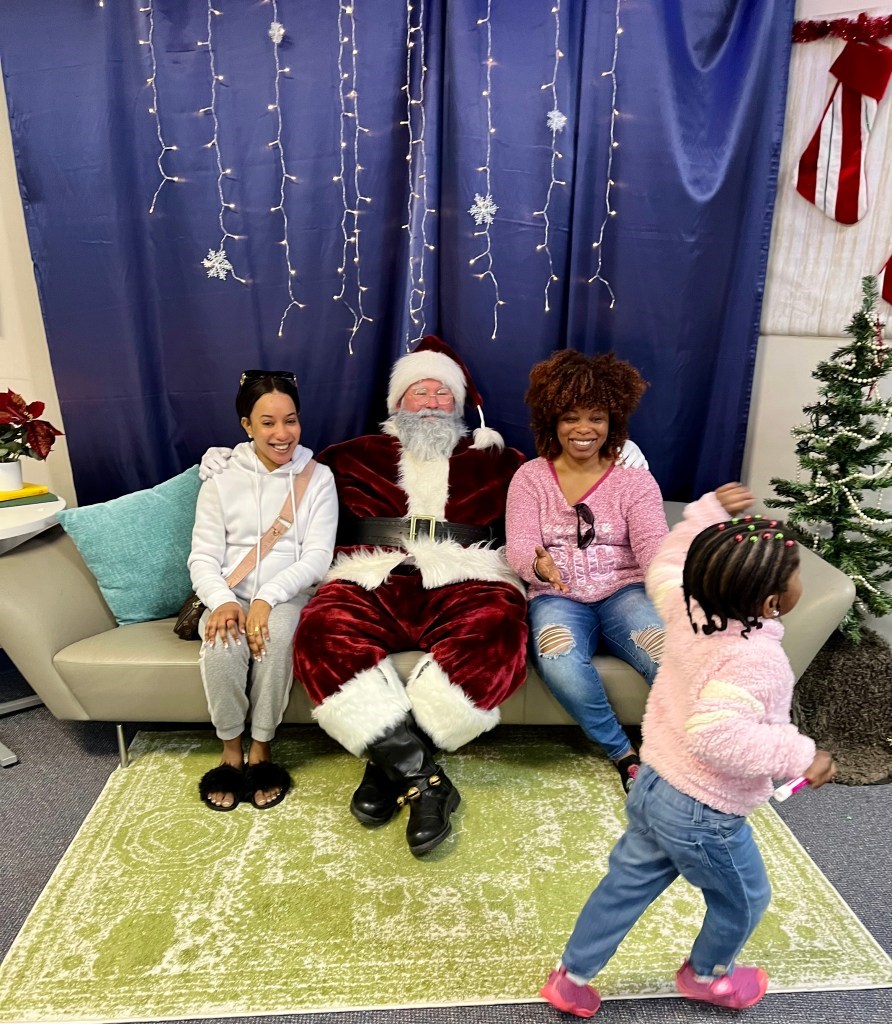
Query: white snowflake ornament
point(555, 120)
point(217, 264)
point(277, 32)
point(483, 209)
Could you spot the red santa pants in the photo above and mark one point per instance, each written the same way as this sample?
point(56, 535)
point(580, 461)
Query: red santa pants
point(476, 631)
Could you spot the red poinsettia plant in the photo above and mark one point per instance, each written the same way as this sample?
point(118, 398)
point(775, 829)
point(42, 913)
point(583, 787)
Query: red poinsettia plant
point(21, 432)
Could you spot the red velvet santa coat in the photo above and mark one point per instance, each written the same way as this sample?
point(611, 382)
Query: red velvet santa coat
point(462, 606)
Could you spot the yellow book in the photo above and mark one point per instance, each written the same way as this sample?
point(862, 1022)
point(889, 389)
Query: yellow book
point(25, 491)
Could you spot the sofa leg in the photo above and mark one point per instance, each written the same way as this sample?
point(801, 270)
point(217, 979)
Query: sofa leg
point(123, 753)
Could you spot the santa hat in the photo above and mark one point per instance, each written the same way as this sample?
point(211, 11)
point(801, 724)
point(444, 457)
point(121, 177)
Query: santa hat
point(435, 360)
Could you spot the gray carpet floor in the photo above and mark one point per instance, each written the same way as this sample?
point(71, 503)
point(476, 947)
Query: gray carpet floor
point(63, 767)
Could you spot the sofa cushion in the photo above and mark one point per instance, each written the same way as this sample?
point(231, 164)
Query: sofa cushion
point(137, 545)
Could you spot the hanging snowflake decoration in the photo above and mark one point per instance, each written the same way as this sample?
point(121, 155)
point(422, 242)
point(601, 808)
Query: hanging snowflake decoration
point(555, 120)
point(277, 32)
point(483, 209)
point(217, 264)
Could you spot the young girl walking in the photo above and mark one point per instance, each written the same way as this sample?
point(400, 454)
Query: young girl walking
point(716, 732)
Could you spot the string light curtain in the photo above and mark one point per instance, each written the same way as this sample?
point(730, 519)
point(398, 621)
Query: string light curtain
point(673, 126)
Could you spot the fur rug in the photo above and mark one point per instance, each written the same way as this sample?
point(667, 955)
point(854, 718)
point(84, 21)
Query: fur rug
point(844, 702)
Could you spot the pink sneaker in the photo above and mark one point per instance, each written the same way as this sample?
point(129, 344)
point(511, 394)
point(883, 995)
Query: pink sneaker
point(743, 988)
point(566, 995)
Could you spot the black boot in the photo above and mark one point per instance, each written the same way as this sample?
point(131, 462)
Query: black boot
point(375, 800)
point(405, 756)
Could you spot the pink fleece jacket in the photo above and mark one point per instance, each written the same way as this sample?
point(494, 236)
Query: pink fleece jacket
point(629, 523)
point(717, 724)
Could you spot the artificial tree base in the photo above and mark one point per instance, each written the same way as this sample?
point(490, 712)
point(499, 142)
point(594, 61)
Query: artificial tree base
point(844, 702)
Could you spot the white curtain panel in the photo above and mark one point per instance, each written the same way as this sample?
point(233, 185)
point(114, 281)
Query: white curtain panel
point(815, 264)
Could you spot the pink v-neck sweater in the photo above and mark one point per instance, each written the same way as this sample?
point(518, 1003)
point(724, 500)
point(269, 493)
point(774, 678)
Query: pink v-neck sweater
point(629, 524)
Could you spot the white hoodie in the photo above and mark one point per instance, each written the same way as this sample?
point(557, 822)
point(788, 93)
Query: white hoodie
point(237, 506)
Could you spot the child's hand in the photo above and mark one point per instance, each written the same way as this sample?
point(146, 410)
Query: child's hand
point(734, 497)
point(821, 770)
point(549, 571)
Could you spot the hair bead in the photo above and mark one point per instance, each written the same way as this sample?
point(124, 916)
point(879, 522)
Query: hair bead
point(739, 537)
point(788, 543)
point(721, 526)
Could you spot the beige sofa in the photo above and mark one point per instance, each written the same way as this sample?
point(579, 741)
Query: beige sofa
point(57, 629)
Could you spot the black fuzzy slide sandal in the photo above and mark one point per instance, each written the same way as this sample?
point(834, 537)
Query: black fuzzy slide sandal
point(225, 778)
point(266, 775)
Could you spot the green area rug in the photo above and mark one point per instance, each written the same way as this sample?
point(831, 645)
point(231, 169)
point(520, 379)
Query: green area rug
point(163, 909)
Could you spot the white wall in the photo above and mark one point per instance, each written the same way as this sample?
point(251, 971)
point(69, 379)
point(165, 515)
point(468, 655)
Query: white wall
point(24, 358)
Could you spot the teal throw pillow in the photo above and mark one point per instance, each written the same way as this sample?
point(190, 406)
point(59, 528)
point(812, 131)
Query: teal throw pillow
point(137, 545)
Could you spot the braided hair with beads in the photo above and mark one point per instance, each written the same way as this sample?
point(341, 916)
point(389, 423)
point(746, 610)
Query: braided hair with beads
point(733, 567)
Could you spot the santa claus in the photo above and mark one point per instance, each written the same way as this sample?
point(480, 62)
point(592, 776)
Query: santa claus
point(418, 567)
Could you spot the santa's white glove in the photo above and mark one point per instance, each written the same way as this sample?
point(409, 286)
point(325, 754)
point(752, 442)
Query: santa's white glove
point(632, 457)
point(214, 461)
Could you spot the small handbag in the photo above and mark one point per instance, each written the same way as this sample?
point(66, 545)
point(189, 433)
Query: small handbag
point(188, 617)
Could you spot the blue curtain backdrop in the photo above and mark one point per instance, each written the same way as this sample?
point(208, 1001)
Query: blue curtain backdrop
point(147, 348)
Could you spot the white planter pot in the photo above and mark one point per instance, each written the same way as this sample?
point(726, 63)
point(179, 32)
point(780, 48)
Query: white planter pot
point(11, 476)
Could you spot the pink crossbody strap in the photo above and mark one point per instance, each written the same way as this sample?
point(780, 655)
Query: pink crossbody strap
point(281, 526)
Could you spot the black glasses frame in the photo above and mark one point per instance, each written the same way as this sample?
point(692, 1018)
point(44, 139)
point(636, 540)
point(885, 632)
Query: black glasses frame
point(584, 515)
point(286, 375)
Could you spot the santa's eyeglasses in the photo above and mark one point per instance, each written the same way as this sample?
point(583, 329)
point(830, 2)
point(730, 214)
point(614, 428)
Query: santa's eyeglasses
point(442, 395)
point(584, 535)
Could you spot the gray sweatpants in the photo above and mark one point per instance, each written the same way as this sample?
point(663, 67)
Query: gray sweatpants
point(235, 683)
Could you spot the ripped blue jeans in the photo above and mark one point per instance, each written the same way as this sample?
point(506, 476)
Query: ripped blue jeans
point(565, 634)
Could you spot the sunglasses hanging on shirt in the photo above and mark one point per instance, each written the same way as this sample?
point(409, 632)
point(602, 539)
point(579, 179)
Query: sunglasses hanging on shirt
point(585, 525)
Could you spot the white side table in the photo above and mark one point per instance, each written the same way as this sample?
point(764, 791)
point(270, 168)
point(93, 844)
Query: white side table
point(22, 522)
point(18, 524)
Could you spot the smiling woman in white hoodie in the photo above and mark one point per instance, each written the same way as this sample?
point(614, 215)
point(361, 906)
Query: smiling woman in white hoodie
point(247, 631)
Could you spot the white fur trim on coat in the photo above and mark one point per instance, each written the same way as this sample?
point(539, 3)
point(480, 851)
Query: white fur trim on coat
point(446, 561)
point(439, 562)
point(426, 484)
point(423, 366)
point(365, 708)
point(367, 568)
point(444, 710)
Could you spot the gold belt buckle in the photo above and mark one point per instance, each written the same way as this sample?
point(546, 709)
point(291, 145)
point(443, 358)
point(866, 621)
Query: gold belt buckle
point(431, 526)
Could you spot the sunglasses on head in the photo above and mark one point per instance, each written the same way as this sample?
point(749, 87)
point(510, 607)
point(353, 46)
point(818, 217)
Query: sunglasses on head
point(285, 375)
point(584, 515)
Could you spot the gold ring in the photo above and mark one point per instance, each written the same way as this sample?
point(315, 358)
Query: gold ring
point(256, 630)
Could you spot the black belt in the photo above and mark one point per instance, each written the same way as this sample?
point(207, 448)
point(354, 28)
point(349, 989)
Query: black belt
point(396, 533)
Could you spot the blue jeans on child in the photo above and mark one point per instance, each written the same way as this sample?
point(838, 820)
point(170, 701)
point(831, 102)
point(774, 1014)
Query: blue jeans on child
point(626, 624)
point(671, 834)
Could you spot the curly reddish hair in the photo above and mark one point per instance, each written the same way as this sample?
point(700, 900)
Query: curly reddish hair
point(570, 380)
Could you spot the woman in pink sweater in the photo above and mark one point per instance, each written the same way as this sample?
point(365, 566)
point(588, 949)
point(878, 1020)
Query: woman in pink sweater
point(716, 732)
point(581, 530)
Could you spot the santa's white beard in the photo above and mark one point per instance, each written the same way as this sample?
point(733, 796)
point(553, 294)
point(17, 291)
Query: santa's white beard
point(430, 434)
